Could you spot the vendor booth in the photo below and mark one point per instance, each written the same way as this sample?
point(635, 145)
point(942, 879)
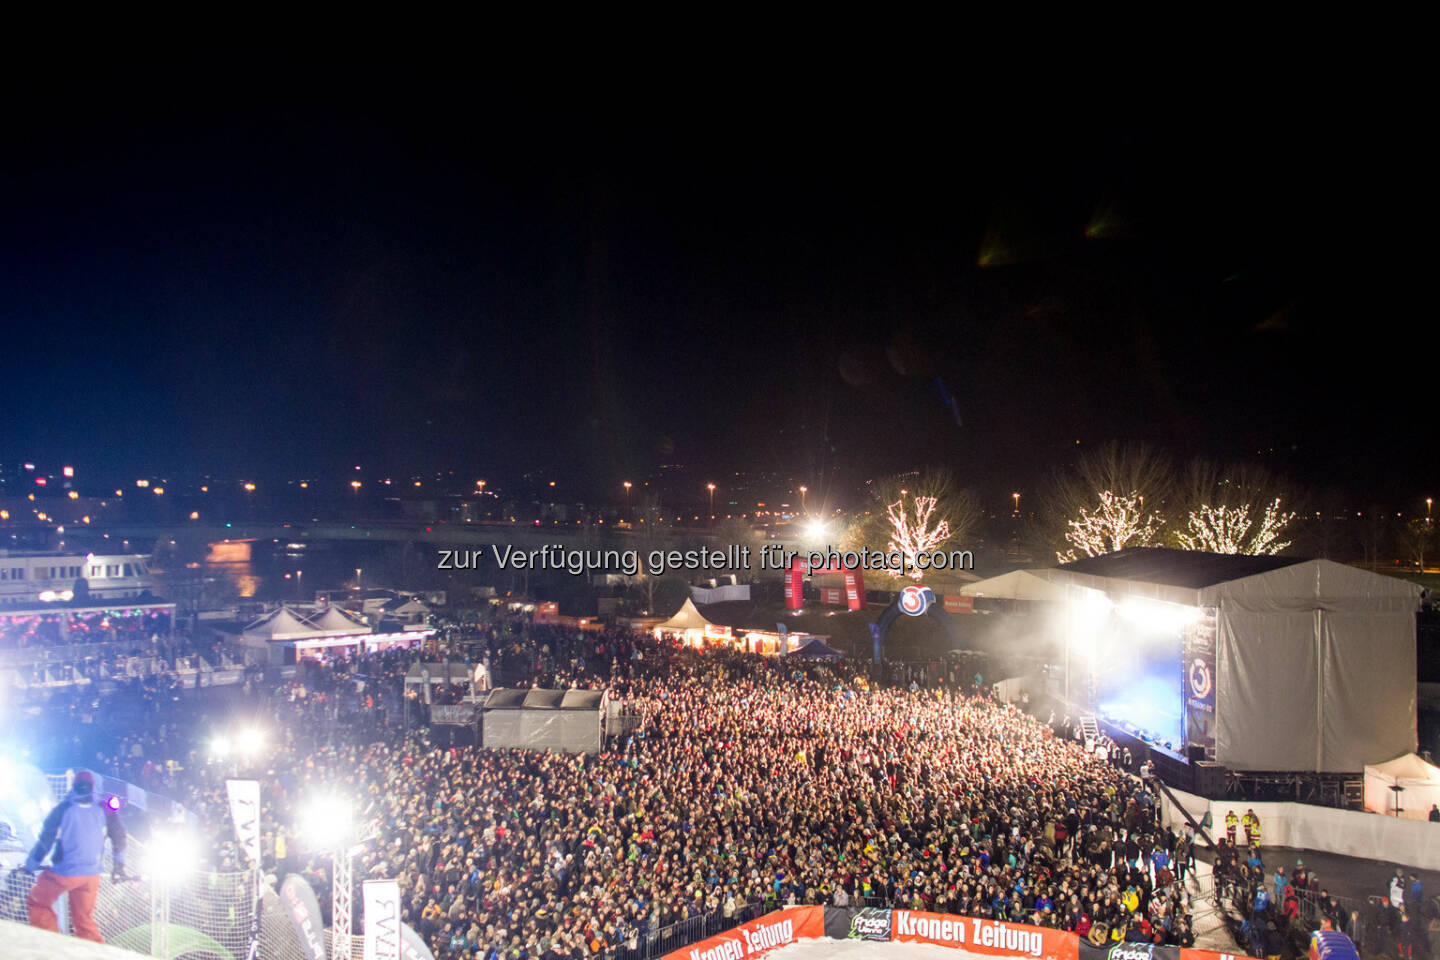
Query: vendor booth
point(692, 629)
point(287, 636)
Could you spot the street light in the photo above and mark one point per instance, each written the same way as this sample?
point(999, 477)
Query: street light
point(627, 485)
point(358, 571)
point(803, 490)
point(711, 488)
point(1017, 503)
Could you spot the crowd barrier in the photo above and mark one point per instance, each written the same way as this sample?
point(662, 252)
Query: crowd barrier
point(996, 938)
point(1351, 833)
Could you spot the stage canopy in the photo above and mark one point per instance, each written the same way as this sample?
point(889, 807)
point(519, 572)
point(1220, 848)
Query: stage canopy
point(1418, 780)
point(1289, 664)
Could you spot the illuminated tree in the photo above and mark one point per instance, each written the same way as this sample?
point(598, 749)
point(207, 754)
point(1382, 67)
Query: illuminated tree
point(1113, 496)
point(1222, 512)
point(1226, 529)
point(1120, 521)
point(915, 532)
point(913, 512)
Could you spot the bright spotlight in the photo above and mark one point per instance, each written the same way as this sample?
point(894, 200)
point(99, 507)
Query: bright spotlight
point(1157, 615)
point(326, 822)
point(220, 747)
point(816, 529)
point(171, 854)
point(250, 741)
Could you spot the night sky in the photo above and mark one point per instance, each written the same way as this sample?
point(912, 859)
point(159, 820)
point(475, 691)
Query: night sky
point(429, 278)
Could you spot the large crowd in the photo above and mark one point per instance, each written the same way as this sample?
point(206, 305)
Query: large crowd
point(748, 784)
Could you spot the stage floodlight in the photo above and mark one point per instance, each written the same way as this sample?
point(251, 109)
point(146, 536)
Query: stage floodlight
point(327, 822)
point(1157, 615)
point(171, 854)
point(250, 741)
point(220, 747)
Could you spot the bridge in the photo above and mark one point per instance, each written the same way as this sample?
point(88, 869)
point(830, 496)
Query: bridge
point(522, 536)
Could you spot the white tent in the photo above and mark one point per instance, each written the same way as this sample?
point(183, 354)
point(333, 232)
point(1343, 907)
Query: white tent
point(279, 625)
point(1418, 780)
point(333, 620)
point(686, 618)
point(1313, 661)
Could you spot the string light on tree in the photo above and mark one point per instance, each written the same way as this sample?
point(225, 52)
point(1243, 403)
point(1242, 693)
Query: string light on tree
point(1225, 529)
point(1120, 521)
point(911, 536)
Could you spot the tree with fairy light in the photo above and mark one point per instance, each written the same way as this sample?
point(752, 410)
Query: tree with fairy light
point(914, 513)
point(1110, 498)
point(1237, 509)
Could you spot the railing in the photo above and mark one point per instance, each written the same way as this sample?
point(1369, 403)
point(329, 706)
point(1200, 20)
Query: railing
point(682, 933)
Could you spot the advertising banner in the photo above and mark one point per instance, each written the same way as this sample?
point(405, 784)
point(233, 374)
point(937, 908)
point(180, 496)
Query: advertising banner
point(1199, 680)
point(995, 937)
point(298, 899)
point(245, 812)
point(758, 937)
point(412, 947)
point(1147, 951)
point(382, 919)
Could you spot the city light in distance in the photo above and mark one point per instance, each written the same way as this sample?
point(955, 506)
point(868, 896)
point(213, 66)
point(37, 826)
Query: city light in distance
point(250, 487)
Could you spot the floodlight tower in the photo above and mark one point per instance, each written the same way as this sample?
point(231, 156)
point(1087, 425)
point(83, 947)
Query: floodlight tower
point(172, 854)
point(330, 825)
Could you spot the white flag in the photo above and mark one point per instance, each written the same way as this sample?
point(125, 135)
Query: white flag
point(382, 919)
point(245, 811)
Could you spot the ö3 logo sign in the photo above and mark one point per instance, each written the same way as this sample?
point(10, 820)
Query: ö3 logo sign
point(1201, 682)
point(915, 599)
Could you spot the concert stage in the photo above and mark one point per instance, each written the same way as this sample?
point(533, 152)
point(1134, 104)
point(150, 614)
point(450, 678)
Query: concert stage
point(1265, 664)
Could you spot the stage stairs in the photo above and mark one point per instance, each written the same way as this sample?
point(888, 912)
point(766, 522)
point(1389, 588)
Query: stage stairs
point(1090, 730)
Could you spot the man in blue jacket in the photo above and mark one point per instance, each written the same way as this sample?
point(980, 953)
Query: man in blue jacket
point(73, 837)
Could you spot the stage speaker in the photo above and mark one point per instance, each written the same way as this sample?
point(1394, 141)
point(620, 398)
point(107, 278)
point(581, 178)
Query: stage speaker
point(1194, 753)
point(1210, 779)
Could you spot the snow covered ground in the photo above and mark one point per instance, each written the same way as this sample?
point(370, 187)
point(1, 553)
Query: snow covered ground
point(24, 942)
point(824, 948)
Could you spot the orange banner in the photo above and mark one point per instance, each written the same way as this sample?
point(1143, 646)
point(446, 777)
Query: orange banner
point(995, 937)
point(758, 937)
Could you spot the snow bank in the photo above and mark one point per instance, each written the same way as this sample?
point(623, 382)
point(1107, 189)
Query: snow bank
point(24, 942)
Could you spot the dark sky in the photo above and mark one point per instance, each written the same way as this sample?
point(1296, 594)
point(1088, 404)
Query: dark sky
point(251, 283)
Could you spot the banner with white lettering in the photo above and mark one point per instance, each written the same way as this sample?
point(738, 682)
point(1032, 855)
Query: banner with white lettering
point(382, 919)
point(758, 937)
point(995, 937)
